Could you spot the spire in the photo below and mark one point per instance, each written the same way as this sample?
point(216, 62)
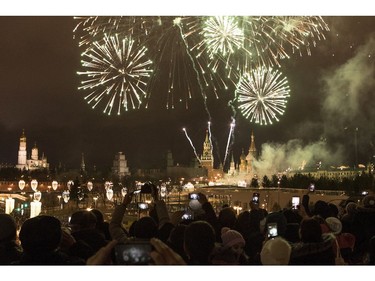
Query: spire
point(23, 137)
point(83, 166)
point(207, 149)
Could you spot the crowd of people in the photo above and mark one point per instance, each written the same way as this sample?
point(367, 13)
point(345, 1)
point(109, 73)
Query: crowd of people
point(316, 233)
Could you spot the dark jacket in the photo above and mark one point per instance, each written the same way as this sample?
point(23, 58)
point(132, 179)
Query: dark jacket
point(9, 252)
point(89, 241)
point(318, 253)
point(363, 228)
point(49, 258)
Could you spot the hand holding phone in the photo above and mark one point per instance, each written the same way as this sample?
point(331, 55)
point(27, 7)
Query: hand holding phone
point(255, 199)
point(272, 230)
point(133, 252)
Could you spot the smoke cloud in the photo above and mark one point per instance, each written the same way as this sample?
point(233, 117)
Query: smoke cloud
point(347, 125)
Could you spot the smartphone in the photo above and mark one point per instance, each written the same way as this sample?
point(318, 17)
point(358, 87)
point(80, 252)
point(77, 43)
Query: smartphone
point(187, 216)
point(143, 206)
point(193, 196)
point(295, 202)
point(272, 230)
point(255, 199)
point(134, 252)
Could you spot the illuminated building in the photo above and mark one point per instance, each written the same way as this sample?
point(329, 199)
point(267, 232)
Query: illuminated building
point(120, 167)
point(34, 163)
point(246, 163)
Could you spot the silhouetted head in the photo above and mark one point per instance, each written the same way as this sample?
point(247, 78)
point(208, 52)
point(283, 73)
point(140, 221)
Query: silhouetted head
point(82, 219)
point(40, 234)
point(8, 228)
point(322, 209)
point(227, 217)
point(199, 241)
point(310, 231)
point(145, 228)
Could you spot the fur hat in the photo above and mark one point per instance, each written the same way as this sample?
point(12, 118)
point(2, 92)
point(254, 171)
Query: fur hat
point(334, 224)
point(231, 237)
point(369, 201)
point(276, 252)
point(7, 228)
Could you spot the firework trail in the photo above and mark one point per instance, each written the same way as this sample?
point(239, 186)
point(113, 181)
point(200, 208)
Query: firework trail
point(261, 95)
point(191, 143)
point(232, 125)
point(210, 135)
point(117, 71)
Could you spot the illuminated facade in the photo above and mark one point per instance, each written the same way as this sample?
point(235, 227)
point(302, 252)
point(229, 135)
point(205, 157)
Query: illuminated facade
point(207, 159)
point(120, 167)
point(34, 163)
point(246, 163)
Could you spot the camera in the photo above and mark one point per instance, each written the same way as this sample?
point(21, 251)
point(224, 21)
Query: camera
point(295, 202)
point(193, 196)
point(255, 199)
point(272, 230)
point(143, 206)
point(133, 252)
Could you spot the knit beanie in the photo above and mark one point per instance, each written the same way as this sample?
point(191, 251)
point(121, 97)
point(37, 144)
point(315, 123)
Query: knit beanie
point(368, 201)
point(276, 251)
point(351, 207)
point(231, 237)
point(334, 224)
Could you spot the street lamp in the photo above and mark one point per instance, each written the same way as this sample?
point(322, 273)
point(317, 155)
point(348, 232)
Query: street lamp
point(54, 185)
point(66, 196)
point(59, 196)
point(95, 199)
point(124, 191)
point(109, 194)
point(89, 185)
point(34, 185)
point(21, 184)
point(36, 205)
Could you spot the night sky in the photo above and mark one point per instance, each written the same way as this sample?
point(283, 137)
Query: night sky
point(332, 94)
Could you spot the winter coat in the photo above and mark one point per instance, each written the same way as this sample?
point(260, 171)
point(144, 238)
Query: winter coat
point(317, 253)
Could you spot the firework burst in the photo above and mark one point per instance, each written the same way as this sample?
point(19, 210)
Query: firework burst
point(117, 73)
point(92, 29)
point(261, 95)
point(295, 34)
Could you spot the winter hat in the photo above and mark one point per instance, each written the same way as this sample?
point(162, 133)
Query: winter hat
point(40, 234)
point(369, 201)
point(231, 237)
point(334, 224)
point(321, 208)
point(276, 252)
point(82, 219)
point(145, 228)
point(351, 207)
point(7, 228)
